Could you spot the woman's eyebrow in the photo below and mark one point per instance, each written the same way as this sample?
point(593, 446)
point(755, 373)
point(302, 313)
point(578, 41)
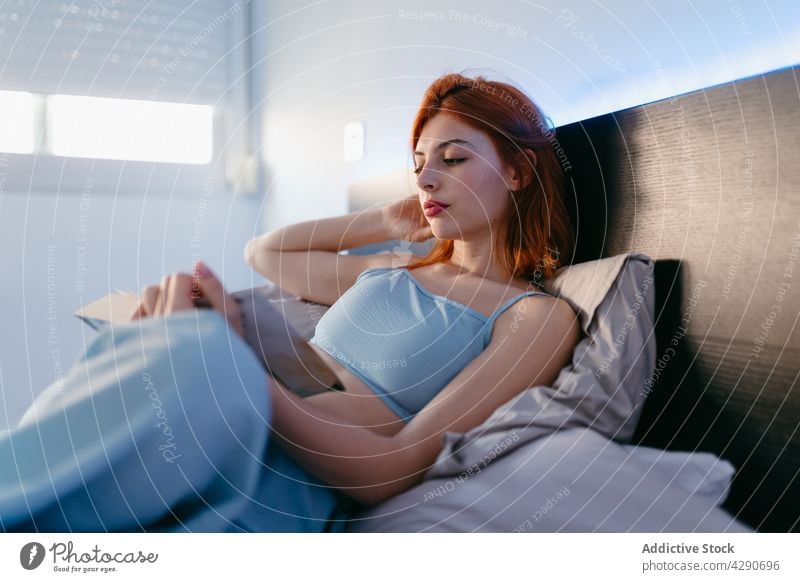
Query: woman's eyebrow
point(444, 144)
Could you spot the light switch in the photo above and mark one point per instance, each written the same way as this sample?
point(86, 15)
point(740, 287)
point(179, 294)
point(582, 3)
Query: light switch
point(353, 141)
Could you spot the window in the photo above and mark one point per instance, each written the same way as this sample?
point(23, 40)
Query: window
point(112, 87)
point(103, 128)
point(124, 129)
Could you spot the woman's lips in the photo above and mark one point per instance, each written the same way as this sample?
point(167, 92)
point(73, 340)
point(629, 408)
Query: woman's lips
point(433, 210)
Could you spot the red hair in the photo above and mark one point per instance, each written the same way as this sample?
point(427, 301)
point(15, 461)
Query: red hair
point(536, 231)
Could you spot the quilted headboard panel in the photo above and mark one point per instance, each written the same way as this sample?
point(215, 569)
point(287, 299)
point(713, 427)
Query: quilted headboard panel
point(708, 184)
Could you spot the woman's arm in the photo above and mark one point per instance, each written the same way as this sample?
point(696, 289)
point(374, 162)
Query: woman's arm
point(327, 234)
point(400, 219)
point(367, 466)
point(304, 258)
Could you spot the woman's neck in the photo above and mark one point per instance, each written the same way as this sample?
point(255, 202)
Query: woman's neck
point(477, 259)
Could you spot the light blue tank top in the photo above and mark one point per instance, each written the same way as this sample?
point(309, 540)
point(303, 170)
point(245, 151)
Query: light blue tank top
point(403, 341)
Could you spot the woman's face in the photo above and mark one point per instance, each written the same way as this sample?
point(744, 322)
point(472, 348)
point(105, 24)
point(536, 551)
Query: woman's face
point(458, 165)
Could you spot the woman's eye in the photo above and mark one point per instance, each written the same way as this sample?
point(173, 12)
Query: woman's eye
point(448, 161)
point(453, 161)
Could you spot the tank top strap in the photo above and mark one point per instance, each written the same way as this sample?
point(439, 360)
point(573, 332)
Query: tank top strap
point(489, 326)
point(369, 271)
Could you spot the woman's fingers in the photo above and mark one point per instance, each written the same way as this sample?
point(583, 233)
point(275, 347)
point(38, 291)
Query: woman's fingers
point(211, 289)
point(148, 298)
point(171, 295)
point(139, 312)
point(179, 296)
point(181, 291)
point(163, 288)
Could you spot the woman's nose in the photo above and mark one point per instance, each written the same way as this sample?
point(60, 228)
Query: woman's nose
point(428, 180)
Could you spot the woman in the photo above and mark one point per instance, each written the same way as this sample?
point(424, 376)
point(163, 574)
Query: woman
point(165, 424)
point(440, 349)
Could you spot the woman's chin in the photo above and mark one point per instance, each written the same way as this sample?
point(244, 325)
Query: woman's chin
point(441, 234)
point(442, 231)
point(447, 231)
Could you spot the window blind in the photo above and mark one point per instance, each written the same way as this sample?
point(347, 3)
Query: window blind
point(160, 50)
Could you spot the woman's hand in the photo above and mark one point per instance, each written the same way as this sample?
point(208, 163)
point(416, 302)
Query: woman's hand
point(405, 220)
point(181, 291)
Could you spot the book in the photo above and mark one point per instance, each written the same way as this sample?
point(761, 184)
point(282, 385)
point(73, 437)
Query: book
point(282, 350)
point(114, 307)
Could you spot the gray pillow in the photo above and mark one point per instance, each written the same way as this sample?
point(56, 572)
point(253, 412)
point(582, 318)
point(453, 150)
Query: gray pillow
point(282, 349)
point(302, 314)
point(603, 388)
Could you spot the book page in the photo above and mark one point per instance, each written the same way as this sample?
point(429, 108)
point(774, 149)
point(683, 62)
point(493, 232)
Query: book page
point(114, 307)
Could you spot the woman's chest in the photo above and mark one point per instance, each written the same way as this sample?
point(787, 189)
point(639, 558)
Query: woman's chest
point(481, 296)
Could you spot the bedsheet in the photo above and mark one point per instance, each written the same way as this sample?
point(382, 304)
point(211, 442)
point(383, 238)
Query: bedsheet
point(161, 425)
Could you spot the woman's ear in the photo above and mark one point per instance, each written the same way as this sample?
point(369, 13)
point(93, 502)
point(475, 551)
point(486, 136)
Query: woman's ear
point(527, 165)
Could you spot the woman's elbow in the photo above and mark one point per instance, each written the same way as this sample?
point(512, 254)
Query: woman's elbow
point(395, 473)
point(249, 252)
point(259, 255)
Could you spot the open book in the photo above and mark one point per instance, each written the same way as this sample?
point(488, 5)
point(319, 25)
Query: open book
point(283, 351)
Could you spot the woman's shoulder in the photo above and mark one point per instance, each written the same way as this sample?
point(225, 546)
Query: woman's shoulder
point(540, 299)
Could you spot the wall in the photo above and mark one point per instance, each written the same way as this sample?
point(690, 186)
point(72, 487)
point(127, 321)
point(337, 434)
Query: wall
point(60, 251)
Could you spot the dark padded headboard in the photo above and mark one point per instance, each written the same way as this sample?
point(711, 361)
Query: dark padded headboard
point(708, 184)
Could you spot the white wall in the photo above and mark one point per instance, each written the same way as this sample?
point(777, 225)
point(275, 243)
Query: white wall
point(59, 251)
